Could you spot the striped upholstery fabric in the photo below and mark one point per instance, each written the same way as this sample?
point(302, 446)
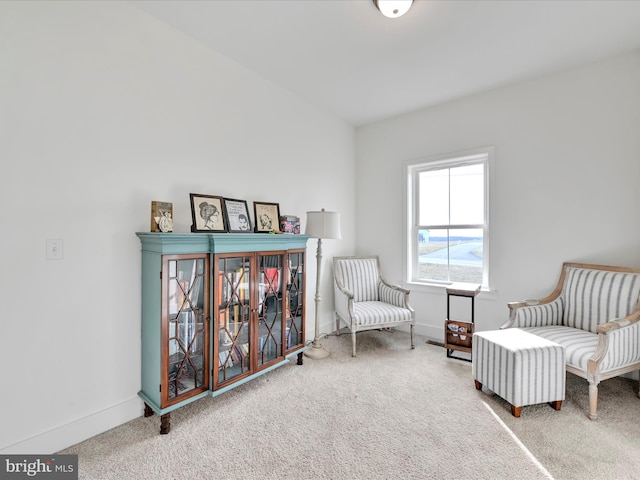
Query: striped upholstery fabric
point(375, 313)
point(360, 277)
point(592, 297)
point(580, 345)
point(520, 367)
point(391, 295)
point(624, 348)
point(538, 315)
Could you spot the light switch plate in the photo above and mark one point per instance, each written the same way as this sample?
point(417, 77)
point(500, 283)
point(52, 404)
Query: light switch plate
point(54, 249)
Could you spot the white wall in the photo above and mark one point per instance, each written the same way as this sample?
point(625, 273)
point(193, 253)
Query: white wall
point(104, 109)
point(564, 186)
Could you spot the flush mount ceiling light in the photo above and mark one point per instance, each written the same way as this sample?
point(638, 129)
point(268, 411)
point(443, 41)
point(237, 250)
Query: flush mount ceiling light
point(393, 8)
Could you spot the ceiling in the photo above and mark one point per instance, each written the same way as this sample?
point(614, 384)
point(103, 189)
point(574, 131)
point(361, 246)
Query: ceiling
point(345, 57)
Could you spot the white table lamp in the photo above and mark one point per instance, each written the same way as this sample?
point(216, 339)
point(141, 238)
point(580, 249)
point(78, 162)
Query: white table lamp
point(321, 225)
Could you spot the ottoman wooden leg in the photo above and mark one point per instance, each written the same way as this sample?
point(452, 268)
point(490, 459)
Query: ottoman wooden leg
point(516, 411)
point(556, 405)
point(478, 385)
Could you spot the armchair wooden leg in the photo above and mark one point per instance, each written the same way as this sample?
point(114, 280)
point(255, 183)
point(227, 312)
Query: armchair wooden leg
point(413, 345)
point(593, 401)
point(337, 324)
point(353, 343)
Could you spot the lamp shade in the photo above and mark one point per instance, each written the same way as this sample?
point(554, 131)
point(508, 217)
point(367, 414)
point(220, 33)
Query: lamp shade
point(323, 225)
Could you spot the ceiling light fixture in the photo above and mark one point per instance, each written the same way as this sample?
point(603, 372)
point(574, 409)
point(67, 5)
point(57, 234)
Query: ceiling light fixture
point(393, 8)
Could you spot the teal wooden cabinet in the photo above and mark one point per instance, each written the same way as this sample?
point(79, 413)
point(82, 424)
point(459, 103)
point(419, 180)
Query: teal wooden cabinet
point(217, 311)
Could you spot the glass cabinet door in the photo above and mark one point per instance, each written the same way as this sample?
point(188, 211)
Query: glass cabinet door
point(295, 301)
point(259, 311)
point(269, 309)
point(186, 327)
point(233, 311)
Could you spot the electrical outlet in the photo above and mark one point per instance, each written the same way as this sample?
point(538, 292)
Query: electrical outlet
point(54, 249)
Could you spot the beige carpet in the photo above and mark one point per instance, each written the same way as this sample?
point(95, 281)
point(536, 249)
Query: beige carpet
point(390, 413)
point(573, 447)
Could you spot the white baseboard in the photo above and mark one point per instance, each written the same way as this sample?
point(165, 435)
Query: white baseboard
point(59, 438)
point(432, 333)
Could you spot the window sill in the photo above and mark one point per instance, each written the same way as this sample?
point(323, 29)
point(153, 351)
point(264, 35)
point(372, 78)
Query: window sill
point(440, 288)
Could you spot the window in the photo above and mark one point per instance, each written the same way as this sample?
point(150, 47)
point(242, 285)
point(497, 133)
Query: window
point(447, 218)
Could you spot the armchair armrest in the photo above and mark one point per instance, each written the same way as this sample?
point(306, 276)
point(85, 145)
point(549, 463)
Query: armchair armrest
point(618, 323)
point(343, 301)
point(535, 313)
point(393, 286)
point(545, 311)
point(345, 291)
point(393, 294)
point(617, 341)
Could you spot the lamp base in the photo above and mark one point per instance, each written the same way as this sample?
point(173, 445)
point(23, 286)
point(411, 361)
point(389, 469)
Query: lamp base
point(316, 352)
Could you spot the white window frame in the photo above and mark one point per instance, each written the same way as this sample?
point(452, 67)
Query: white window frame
point(412, 168)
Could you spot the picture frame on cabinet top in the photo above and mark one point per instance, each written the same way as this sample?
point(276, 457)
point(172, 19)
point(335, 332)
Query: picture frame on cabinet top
point(207, 213)
point(161, 216)
point(237, 215)
point(267, 217)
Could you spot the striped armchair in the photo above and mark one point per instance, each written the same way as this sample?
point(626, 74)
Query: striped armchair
point(594, 313)
point(365, 301)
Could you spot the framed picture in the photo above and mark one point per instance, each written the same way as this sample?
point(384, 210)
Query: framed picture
point(161, 216)
point(267, 216)
point(207, 213)
point(237, 215)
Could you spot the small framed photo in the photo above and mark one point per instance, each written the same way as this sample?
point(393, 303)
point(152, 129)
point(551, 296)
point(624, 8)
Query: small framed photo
point(237, 215)
point(161, 216)
point(267, 217)
point(207, 213)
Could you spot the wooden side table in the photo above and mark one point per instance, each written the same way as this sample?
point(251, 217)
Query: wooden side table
point(458, 334)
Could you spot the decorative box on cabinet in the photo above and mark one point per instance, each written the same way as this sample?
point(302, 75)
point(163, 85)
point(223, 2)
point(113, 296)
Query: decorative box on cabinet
point(217, 311)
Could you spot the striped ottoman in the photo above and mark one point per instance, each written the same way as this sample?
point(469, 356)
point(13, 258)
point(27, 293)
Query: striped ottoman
point(520, 367)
